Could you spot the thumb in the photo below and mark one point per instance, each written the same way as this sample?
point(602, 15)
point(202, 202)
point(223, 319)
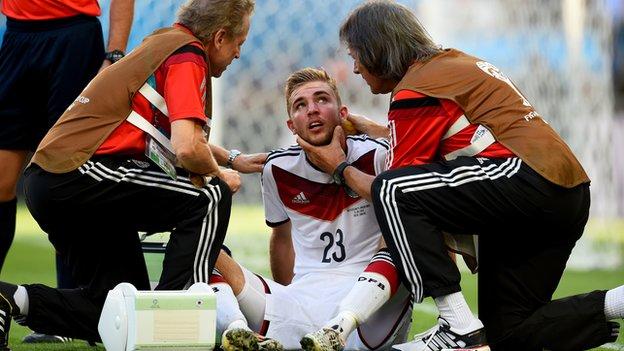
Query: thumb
point(304, 144)
point(339, 137)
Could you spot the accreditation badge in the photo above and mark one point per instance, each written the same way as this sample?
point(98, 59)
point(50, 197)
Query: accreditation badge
point(162, 157)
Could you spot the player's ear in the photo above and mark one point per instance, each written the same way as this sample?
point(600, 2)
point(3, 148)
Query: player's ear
point(291, 126)
point(343, 112)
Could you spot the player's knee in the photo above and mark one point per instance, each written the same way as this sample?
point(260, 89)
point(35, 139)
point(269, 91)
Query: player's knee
point(7, 189)
point(382, 189)
point(217, 192)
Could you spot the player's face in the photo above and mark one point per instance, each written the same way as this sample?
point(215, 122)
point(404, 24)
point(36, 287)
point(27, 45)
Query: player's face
point(377, 85)
point(223, 49)
point(314, 112)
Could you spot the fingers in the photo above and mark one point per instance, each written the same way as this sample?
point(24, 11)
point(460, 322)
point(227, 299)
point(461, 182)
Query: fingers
point(197, 180)
point(349, 127)
point(304, 144)
point(250, 163)
point(338, 134)
point(234, 182)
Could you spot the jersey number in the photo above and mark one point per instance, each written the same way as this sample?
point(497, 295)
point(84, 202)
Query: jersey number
point(339, 254)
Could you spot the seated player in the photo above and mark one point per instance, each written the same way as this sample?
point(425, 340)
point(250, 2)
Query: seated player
point(331, 277)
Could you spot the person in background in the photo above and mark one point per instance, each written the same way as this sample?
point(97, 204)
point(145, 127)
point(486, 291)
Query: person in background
point(50, 51)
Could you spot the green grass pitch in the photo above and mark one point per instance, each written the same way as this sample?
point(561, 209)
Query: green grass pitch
point(31, 259)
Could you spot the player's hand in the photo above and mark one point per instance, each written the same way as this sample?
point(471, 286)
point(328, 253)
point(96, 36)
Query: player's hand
point(197, 179)
point(249, 163)
point(231, 178)
point(326, 157)
point(366, 126)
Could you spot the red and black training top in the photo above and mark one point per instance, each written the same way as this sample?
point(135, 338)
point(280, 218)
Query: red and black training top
point(181, 81)
point(417, 125)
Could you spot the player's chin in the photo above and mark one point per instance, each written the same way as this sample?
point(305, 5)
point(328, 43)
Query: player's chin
point(320, 141)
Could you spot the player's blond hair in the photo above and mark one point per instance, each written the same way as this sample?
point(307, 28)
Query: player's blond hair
point(386, 38)
point(307, 75)
point(205, 17)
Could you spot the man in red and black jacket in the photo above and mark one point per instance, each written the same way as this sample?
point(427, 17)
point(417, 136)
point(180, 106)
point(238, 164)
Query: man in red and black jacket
point(51, 50)
point(131, 153)
point(470, 155)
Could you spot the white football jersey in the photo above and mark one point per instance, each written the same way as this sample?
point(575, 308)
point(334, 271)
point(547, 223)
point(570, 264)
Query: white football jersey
point(331, 231)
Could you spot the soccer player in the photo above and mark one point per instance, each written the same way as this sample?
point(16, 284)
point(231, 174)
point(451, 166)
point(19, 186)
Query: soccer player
point(471, 155)
point(331, 276)
point(131, 154)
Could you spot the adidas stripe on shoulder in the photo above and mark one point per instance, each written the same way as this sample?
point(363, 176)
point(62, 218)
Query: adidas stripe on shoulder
point(293, 150)
point(364, 138)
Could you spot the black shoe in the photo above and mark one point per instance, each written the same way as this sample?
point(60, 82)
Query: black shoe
point(614, 330)
point(36, 338)
point(5, 322)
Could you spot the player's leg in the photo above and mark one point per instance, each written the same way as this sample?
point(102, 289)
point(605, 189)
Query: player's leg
point(197, 217)
point(241, 303)
point(415, 205)
point(12, 162)
point(372, 289)
point(516, 286)
point(22, 119)
point(75, 312)
point(69, 75)
point(74, 227)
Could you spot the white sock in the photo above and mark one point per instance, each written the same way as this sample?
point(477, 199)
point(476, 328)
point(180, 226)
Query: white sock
point(252, 301)
point(344, 323)
point(368, 294)
point(21, 300)
point(238, 324)
point(614, 303)
point(454, 309)
point(228, 310)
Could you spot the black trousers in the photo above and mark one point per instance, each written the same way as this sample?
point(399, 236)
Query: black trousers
point(527, 228)
point(92, 216)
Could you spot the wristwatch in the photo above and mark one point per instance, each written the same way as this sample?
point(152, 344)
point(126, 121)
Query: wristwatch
point(232, 156)
point(338, 174)
point(114, 56)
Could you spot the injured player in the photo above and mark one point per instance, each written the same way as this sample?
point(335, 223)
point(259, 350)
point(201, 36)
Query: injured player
point(332, 274)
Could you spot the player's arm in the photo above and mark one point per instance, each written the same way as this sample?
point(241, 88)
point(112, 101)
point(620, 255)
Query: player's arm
point(419, 140)
point(366, 126)
point(244, 163)
point(193, 152)
point(282, 254)
point(120, 23)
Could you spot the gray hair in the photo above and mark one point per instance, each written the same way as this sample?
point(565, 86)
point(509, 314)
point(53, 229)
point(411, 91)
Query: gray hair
point(386, 38)
point(205, 17)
